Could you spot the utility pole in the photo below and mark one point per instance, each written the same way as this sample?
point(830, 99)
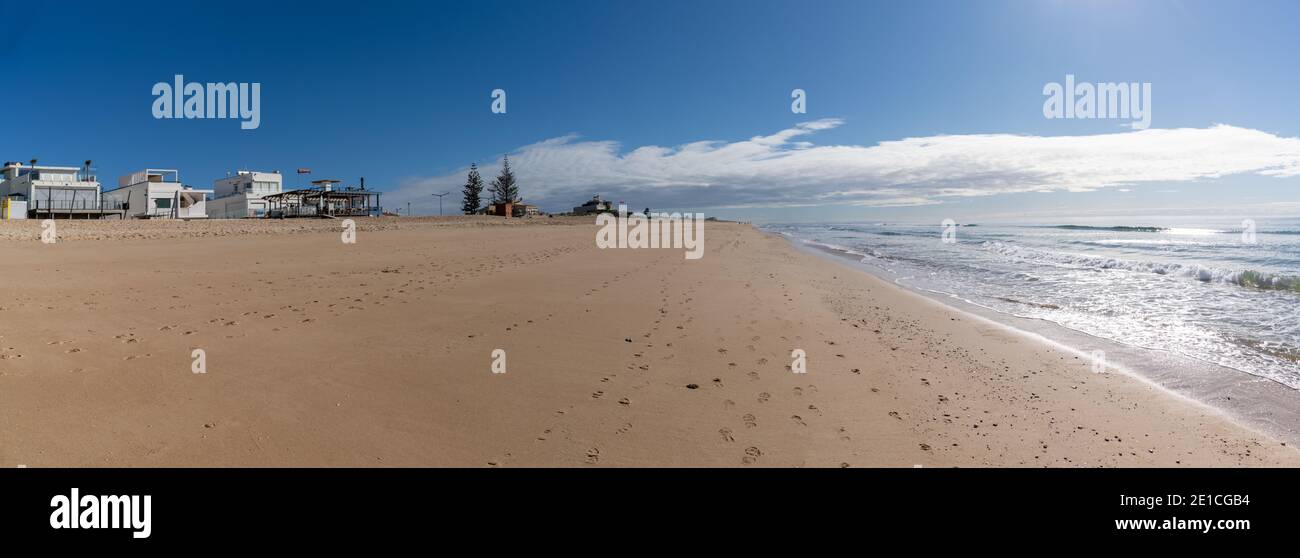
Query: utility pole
point(408, 209)
point(440, 201)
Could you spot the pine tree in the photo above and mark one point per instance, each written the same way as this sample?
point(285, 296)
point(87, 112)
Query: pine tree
point(504, 188)
point(473, 191)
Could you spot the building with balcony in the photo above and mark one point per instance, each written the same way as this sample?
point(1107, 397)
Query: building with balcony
point(56, 192)
point(158, 194)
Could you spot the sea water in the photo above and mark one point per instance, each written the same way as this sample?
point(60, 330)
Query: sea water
point(1218, 291)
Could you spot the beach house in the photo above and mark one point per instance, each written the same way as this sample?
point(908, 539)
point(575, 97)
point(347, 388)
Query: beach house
point(158, 194)
point(240, 196)
point(55, 192)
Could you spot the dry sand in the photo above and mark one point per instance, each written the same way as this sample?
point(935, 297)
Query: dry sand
point(378, 354)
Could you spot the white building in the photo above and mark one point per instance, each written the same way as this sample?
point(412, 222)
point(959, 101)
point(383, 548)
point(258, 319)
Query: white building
point(52, 192)
point(240, 196)
point(158, 194)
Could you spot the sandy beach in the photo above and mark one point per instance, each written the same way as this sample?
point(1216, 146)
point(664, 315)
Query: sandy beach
point(379, 353)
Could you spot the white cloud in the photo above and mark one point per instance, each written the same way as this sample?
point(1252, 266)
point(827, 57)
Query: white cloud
point(786, 169)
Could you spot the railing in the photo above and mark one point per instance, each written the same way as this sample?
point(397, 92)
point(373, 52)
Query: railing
point(61, 177)
point(76, 205)
point(313, 211)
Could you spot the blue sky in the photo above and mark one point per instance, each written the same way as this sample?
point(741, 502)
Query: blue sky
point(614, 97)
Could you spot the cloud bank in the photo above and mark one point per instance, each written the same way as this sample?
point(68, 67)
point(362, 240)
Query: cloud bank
point(787, 169)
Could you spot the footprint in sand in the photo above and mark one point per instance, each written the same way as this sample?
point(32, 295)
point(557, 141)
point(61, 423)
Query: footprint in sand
point(763, 397)
point(798, 420)
point(751, 455)
point(726, 434)
point(593, 456)
point(750, 420)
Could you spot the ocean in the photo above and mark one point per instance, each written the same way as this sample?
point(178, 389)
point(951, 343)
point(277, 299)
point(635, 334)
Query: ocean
point(1204, 289)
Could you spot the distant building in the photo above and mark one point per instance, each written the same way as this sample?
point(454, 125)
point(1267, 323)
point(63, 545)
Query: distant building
point(526, 210)
point(52, 192)
point(515, 209)
point(594, 205)
point(158, 194)
point(500, 209)
point(240, 196)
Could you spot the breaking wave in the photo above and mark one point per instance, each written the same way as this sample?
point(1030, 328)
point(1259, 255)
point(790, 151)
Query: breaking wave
point(1112, 229)
point(1244, 278)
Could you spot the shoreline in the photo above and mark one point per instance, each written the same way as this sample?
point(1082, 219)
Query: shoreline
point(1235, 394)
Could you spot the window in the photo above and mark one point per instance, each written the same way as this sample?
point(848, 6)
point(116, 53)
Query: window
point(163, 203)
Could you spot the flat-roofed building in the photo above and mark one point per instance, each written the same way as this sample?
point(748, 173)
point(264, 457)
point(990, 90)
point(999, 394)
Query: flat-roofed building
point(54, 192)
point(240, 196)
point(158, 194)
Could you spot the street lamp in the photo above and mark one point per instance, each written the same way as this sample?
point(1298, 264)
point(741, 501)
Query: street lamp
point(439, 196)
